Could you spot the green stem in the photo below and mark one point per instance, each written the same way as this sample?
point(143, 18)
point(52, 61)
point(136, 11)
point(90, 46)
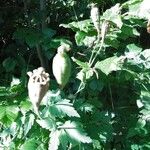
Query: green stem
point(94, 57)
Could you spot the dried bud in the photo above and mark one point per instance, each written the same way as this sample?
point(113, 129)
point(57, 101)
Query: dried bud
point(148, 26)
point(38, 85)
point(95, 16)
point(104, 29)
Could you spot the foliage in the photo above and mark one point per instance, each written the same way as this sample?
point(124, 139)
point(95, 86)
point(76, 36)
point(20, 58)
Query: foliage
point(105, 105)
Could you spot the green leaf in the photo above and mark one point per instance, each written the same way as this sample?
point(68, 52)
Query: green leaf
point(46, 123)
point(48, 32)
point(110, 64)
point(54, 140)
point(79, 37)
point(29, 121)
point(30, 144)
point(75, 132)
point(25, 106)
point(84, 25)
point(63, 139)
point(8, 114)
point(63, 108)
point(31, 36)
point(83, 65)
point(3, 91)
point(9, 64)
point(113, 15)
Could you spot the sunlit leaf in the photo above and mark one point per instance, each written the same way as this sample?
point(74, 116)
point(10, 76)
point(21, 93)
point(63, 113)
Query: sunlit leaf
point(75, 132)
point(54, 140)
point(29, 144)
point(108, 65)
point(63, 108)
point(29, 121)
point(46, 123)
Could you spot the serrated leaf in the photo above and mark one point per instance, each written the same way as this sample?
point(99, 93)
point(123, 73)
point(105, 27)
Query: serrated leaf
point(25, 106)
point(63, 139)
point(63, 108)
point(29, 121)
point(8, 114)
point(75, 132)
point(2, 111)
point(108, 65)
point(29, 145)
point(46, 123)
point(54, 140)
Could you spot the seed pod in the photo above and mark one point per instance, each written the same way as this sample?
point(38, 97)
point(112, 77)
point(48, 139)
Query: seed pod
point(38, 85)
point(95, 17)
point(62, 66)
point(148, 26)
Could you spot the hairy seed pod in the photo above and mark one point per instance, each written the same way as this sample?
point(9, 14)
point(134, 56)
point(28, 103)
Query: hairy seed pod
point(95, 17)
point(62, 66)
point(38, 85)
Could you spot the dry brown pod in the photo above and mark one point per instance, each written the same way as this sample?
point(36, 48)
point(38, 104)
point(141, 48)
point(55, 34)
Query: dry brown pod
point(38, 85)
point(148, 26)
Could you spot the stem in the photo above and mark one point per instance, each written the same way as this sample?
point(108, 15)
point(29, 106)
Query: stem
point(104, 29)
point(94, 57)
point(42, 9)
point(111, 98)
point(42, 26)
point(40, 55)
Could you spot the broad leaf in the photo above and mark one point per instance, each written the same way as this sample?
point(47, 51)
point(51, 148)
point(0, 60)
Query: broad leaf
point(110, 64)
point(113, 15)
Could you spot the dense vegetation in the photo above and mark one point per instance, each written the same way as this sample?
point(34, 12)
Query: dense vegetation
point(106, 103)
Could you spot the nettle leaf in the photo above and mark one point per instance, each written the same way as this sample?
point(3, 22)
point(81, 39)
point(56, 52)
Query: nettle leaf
point(79, 37)
point(25, 106)
point(75, 132)
point(83, 65)
point(46, 123)
point(29, 121)
point(113, 15)
point(9, 64)
point(110, 64)
point(63, 108)
point(85, 26)
point(54, 140)
point(30, 144)
point(84, 39)
point(63, 139)
point(8, 114)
